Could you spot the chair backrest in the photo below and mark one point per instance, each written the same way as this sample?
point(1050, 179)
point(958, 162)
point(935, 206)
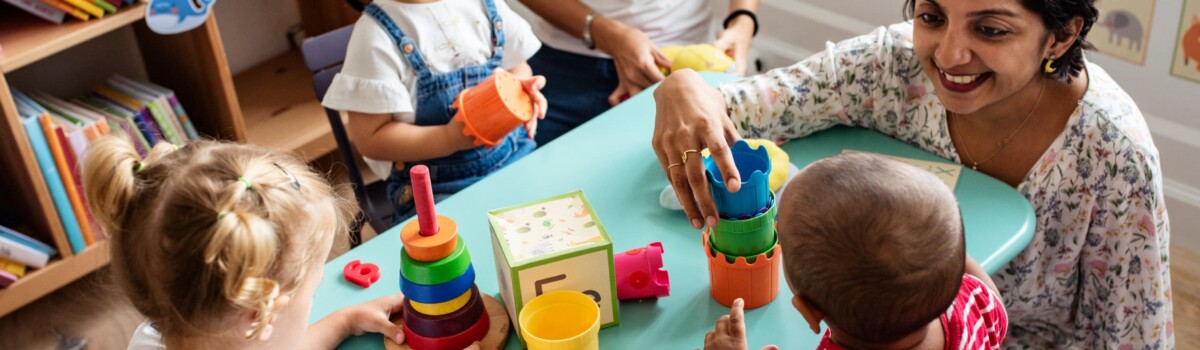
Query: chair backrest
point(323, 54)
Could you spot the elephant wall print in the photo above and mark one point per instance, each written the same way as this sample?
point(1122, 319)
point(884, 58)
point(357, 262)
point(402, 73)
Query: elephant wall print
point(177, 16)
point(1186, 62)
point(1123, 29)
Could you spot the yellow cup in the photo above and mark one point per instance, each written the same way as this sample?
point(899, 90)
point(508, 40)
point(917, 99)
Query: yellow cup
point(561, 320)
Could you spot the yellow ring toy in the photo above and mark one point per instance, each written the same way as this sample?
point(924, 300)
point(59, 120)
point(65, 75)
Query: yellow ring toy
point(441, 308)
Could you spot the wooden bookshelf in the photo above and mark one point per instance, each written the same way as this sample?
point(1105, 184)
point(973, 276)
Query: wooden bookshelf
point(280, 108)
point(27, 39)
point(191, 63)
point(58, 273)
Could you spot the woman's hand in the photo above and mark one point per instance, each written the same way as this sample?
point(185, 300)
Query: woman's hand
point(637, 59)
point(691, 116)
point(735, 41)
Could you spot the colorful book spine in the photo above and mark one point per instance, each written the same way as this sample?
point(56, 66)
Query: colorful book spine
point(59, 149)
point(27, 241)
point(77, 182)
point(87, 6)
point(104, 5)
point(45, 160)
point(183, 118)
point(56, 150)
point(142, 113)
point(7, 279)
point(13, 267)
point(12, 250)
point(40, 9)
point(68, 9)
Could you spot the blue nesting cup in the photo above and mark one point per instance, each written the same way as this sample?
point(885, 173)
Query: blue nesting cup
point(753, 165)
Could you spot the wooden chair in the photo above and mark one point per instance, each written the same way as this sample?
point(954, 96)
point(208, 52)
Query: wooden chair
point(323, 55)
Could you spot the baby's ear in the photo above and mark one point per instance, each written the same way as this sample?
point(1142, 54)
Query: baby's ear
point(811, 314)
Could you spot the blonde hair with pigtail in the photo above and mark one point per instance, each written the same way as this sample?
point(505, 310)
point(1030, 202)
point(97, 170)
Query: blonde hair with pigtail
point(209, 229)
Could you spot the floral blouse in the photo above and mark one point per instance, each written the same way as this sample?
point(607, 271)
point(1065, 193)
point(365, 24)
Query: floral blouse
point(1095, 274)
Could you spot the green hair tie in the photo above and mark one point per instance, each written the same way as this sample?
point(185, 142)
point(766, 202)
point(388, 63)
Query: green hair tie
point(221, 215)
point(246, 182)
point(140, 167)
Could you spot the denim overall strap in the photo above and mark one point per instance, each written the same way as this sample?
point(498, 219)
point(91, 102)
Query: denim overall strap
point(404, 44)
point(497, 33)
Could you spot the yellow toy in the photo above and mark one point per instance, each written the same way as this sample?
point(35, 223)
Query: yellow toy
point(698, 57)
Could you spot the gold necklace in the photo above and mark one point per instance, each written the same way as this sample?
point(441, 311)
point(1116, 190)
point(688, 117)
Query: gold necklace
point(1003, 142)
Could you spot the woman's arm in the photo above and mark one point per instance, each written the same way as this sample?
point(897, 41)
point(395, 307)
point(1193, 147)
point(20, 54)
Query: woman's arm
point(1123, 278)
point(636, 57)
point(862, 81)
point(735, 39)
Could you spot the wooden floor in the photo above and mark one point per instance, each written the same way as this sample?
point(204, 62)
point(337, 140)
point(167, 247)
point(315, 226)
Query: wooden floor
point(92, 309)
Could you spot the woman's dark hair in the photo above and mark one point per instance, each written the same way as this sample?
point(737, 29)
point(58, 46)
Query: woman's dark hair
point(1056, 14)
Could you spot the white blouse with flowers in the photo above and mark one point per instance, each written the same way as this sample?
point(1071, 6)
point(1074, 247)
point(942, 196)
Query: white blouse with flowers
point(1096, 273)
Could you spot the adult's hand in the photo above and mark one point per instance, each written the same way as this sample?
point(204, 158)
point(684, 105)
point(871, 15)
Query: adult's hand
point(636, 57)
point(691, 116)
point(735, 41)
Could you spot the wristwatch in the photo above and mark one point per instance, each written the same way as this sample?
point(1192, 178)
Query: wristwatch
point(587, 31)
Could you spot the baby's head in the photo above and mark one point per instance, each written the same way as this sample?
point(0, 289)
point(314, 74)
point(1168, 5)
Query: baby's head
point(872, 246)
point(214, 239)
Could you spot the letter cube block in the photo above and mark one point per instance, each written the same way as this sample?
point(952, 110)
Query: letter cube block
point(557, 243)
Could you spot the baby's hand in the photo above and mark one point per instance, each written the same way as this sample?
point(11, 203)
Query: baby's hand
point(730, 332)
point(455, 138)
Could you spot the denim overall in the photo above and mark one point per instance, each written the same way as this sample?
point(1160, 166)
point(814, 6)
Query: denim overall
point(435, 92)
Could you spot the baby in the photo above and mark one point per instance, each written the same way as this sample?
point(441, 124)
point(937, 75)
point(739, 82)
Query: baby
point(875, 248)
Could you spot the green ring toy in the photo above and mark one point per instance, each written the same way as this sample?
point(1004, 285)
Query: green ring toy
point(436, 272)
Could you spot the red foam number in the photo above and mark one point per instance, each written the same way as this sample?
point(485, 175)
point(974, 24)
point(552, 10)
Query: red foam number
point(361, 274)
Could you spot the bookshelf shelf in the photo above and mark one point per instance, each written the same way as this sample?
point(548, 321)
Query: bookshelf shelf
point(48, 279)
point(27, 39)
point(280, 110)
point(192, 63)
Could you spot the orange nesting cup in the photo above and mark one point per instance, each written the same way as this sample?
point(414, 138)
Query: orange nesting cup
point(757, 284)
point(493, 108)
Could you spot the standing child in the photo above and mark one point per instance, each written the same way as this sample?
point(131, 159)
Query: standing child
point(875, 248)
point(406, 63)
point(221, 246)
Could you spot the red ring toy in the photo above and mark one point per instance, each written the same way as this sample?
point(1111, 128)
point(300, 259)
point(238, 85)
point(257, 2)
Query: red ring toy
point(446, 325)
point(458, 341)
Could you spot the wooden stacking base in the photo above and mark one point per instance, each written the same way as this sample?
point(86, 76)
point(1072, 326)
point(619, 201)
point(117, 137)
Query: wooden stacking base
point(497, 335)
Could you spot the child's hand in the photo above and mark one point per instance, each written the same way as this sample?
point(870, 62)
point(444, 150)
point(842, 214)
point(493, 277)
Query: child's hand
point(375, 316)
point(533, 86)
point(730, 333)
point(455, 138)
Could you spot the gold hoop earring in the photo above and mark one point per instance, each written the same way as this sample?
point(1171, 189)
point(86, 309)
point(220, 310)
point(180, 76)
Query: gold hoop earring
point(1049, 62)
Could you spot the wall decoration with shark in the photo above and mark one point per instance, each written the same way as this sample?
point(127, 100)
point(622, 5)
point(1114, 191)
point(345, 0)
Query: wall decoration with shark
point(177, 16)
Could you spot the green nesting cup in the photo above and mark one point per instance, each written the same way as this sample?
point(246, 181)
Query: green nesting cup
point(746, 237)
point(750, 258)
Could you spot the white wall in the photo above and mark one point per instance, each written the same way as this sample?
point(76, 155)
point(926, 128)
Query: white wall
point(794, 29)
point(254, 31)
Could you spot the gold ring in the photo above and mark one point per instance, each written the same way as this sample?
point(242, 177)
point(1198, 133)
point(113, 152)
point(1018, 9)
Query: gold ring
point(672, 165)
point(685, 154)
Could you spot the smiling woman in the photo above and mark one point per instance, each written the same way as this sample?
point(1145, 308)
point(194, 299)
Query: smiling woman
point(1000, 86)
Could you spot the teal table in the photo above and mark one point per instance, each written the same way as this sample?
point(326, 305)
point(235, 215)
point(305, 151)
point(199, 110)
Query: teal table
point(610, 159)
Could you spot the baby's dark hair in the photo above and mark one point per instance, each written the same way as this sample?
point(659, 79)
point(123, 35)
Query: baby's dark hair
point(874, 244)
point(1056, 15)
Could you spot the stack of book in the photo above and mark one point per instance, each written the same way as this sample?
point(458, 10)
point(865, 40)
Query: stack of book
point(18, 254)
point(56, 11)
point(59, 131)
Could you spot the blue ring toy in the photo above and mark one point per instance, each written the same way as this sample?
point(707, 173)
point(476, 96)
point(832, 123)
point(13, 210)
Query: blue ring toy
point(438, 293)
